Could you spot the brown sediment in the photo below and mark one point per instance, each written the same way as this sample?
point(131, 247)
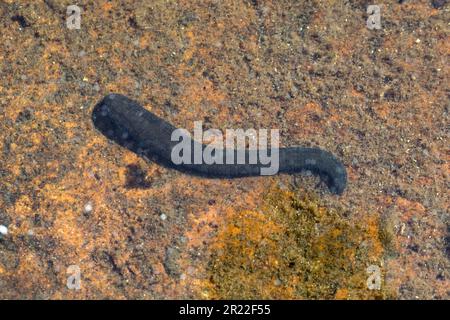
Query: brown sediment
point(378, 99)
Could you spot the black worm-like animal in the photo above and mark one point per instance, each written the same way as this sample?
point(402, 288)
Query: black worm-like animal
point(131, 126)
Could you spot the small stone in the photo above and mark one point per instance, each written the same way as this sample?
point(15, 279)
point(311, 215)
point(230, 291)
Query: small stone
point(3, 230)
point(437, 4)
point(88, 208)
point(163, 217)
point(96, 87)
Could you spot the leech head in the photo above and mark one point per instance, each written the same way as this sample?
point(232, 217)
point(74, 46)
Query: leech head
point(105, 119)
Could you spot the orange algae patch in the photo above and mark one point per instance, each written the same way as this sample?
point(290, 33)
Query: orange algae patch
point(294, 248)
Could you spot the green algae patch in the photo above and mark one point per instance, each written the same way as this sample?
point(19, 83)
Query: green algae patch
point(294, 248)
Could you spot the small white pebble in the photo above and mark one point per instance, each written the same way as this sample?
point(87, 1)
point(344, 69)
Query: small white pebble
point(163, 217)
point(182, 276)
point(88, 207)
point(30, 233)
point(3, 230)
point(417, 40)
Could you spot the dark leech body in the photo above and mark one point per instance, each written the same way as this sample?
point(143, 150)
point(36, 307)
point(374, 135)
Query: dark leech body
point(130, 125)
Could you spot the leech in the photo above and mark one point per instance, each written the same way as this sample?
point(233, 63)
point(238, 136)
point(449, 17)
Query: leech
point(127, 123)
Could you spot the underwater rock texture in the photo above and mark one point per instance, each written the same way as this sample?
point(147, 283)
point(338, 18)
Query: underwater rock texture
point(377, 99)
